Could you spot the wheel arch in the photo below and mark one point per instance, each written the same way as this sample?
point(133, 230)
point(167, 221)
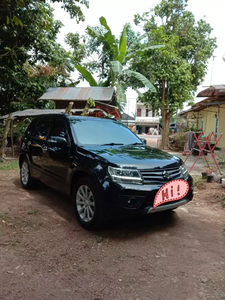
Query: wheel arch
point(80, 174)
point(21, 158)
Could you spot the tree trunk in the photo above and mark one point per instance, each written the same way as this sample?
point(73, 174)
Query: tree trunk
point(166, 116)
point(5, 134)
point(69, 107)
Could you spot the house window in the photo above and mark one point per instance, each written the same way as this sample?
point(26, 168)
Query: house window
point(139, 112)
point(202, 124)
point(146, 114)
point(153, 113)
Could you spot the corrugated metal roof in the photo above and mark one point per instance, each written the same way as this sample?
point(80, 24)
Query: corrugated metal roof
point(207, 102)
point(105, 109)
point(33, 113)
point(126, 117)
point(213, 91)
point(215, 95)
point(79, 94)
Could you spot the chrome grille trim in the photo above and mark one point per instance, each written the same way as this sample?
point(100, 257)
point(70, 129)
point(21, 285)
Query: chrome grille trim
point(156, 175)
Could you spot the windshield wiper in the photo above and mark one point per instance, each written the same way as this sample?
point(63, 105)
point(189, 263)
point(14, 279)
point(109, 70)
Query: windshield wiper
point(136, 143)
point(112, 144)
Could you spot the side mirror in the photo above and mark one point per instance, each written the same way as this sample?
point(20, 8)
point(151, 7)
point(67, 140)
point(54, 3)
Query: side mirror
point(143, 141)
point(57, 140)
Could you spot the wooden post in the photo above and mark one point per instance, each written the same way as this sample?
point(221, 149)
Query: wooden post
point(69, 107)
point(11, 134)
point(5, 134)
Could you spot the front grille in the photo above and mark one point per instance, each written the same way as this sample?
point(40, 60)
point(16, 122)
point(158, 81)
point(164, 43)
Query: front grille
point(156, 175)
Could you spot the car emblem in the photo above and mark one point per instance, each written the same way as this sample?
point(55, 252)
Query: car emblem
point(166, 175)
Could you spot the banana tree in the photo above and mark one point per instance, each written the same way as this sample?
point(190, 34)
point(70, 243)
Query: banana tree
point(119, 58)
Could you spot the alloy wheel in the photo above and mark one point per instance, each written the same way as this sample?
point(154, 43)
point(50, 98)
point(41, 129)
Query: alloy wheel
point(25, 173)
point(85, 203)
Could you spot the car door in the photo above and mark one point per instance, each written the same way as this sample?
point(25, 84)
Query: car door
point(38, 145)
point(58, 152)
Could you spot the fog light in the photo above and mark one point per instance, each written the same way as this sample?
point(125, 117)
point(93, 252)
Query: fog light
point(132, 202)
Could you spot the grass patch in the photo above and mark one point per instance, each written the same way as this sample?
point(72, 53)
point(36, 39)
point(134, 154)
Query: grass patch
point(15, 242)
point(99, 238)
point(198, 182)
point(33, 212)
point(9, 165)
point(3, 214)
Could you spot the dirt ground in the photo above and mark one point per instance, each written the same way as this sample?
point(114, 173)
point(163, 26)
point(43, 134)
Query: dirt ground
point(45, 254)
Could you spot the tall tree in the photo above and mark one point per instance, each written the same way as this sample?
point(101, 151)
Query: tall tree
point(73, 7)
point(177, 69)
point(30, 58)
point(114, 56)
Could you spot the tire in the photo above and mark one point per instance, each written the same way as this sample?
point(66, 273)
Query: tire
point(25, 177)
point(87, 204)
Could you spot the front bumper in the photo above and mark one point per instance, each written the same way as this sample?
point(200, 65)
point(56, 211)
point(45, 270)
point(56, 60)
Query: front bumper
point(138, 199)
point(168, 206)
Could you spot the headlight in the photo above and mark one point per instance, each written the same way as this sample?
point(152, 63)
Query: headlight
point(184, 171)
point(125, 175)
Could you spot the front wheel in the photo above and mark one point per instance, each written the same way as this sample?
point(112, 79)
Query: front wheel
point(25, 177)
point(87, 204)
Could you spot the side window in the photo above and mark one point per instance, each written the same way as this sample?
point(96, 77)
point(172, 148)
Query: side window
point(58, 129)
point(31, 129)
point(42, 129)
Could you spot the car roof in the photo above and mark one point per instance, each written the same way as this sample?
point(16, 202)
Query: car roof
point(66, 116)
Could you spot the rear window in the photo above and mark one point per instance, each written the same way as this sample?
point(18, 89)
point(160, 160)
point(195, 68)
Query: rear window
point(32, 128)
point(43, 128)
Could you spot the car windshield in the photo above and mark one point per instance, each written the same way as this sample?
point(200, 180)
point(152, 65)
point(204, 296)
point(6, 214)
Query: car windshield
point(103, 132)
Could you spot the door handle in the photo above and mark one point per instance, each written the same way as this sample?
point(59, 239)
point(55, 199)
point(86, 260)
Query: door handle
point(52, 141)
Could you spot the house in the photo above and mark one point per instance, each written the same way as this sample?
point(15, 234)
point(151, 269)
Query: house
point(145, 118)
point(209, 114)
point(104, 97)
point(128, 120)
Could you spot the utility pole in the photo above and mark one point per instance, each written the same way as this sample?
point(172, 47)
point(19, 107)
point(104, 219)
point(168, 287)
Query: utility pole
point(212, 69)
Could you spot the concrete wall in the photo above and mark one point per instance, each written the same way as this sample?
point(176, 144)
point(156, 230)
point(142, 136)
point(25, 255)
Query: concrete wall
point(143, 110)
point(209, 121)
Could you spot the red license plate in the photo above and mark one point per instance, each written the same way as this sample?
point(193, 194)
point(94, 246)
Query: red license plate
point(171, 191)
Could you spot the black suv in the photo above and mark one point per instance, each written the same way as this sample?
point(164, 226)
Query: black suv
point(104, 167)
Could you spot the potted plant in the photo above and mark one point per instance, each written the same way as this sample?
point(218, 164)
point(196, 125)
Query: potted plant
point(210, 175)
point(204, 175)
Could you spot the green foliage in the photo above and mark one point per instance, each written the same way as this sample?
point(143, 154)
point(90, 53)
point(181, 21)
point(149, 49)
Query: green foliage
point(177, 69)
point(221, 159)
point(177, 140)
point(122, 46)
point(86, 75)
point(71, 6)
point(112, 66)
point(91, 102)
point(199, 182)
point(30, 58)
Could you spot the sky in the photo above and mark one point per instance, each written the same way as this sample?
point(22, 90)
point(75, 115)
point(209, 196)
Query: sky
point(119, 12)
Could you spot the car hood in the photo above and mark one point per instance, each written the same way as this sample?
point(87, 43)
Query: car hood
point(140, 156)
